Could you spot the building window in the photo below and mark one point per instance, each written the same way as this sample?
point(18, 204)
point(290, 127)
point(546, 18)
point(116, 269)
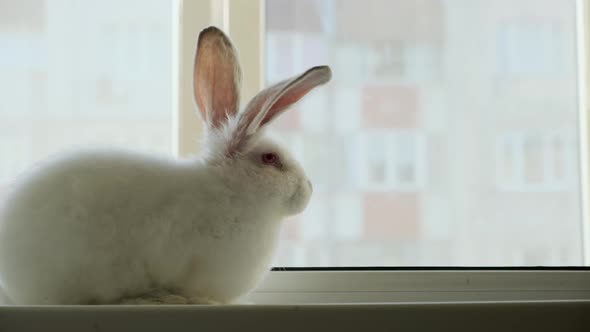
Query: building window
point(530, 47)
point(392, 160)
point(535, 162)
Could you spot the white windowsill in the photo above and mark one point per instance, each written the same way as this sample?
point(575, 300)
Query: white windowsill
point(308, 287)
point(352, 301)
point(460, 316)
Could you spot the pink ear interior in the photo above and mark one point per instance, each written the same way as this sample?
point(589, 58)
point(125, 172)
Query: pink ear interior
point(297, 89)
point(216, 77)
point(274, 100)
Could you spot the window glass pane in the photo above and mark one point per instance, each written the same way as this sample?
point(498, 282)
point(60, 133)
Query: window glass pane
point(448, 135)
point(79, 73)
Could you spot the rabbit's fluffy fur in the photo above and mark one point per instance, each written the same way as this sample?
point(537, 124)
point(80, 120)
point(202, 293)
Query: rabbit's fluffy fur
point(109, 226)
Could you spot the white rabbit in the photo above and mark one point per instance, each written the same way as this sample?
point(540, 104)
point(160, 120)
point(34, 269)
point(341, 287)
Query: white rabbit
point(110, 227)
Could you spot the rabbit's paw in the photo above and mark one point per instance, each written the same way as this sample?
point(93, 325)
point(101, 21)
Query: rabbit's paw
point(143, 300)
point(173, 299)
point(202, 300)
point(157, 297)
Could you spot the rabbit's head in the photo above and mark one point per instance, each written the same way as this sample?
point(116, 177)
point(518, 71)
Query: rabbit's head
point(235, 143)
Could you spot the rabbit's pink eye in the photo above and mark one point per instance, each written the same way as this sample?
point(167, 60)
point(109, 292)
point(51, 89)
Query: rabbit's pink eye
point(270, 158)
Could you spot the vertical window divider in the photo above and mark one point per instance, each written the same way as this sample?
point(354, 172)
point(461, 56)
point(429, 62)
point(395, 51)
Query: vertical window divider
point(583, 59)
point(247, 30)
point(190, 17)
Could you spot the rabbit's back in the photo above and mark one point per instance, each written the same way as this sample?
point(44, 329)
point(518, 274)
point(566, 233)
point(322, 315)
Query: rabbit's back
point(73, 220)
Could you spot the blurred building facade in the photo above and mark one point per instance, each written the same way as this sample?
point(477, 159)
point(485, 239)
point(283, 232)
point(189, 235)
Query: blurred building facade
point(447, 137)
point(83, 72)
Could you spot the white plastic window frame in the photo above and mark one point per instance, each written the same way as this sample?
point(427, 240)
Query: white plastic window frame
point(243, 20)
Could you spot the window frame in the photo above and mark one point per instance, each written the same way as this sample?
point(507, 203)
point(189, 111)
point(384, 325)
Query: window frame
point(413, 284)
point(379, 284)
point(583, 63)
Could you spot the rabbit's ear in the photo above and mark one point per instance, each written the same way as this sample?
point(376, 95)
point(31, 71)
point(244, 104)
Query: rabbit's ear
point(274, 100)
point(216, 77)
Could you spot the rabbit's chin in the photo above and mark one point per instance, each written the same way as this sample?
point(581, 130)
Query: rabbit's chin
point(299, 200)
